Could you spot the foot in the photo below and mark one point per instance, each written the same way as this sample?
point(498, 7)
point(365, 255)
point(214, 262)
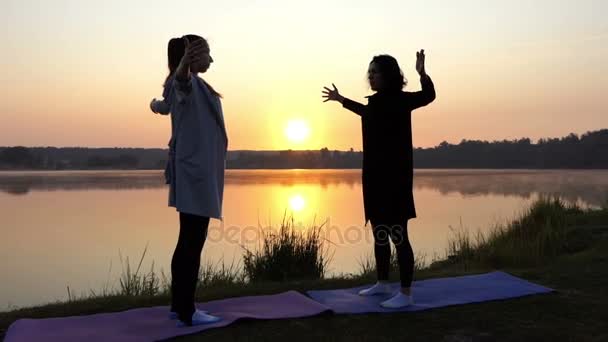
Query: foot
point(173, 314)
point(379, 288)
point(400, 300)
point(199, 318)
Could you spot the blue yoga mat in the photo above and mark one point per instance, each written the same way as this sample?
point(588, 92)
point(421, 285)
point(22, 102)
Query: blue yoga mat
point(432, 293)
point(152, 324)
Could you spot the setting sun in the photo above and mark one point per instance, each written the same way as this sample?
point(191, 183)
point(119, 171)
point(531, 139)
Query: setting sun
point(297, 202)
point(297, 130)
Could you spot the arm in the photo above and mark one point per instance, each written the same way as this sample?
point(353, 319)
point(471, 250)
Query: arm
point(426, 95)
point(334, 95)
point(183, 89)
point(182, 82)
point(354, 106)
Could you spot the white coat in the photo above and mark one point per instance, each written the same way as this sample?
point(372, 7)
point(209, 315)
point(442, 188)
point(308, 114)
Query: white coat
point(197, 149)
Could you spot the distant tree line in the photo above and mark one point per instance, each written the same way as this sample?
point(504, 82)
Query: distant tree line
point(79, 158)
point(589, 151)
point(289, 159)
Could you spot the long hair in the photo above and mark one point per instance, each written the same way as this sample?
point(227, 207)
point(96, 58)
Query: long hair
point(175, 51)
point(390, 71)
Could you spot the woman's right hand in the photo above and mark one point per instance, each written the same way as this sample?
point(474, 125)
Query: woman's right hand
point(192, 54)
point(152, 106)
point(332, 95)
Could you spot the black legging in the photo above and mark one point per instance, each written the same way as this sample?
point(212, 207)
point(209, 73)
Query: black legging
point(382, 251)
point(185, 264)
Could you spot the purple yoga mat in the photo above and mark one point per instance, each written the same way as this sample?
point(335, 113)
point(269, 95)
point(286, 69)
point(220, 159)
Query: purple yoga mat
point(433, 293)
point(153, 324)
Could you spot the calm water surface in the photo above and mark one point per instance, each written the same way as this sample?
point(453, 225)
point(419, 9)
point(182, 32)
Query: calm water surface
point(62, 229)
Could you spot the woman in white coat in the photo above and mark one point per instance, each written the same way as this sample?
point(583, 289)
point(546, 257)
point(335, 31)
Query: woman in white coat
point(195, 170)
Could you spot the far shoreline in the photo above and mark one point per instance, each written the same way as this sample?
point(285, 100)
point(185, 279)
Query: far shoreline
point(320, 169)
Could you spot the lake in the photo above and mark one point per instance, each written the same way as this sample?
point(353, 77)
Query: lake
point(68, 228)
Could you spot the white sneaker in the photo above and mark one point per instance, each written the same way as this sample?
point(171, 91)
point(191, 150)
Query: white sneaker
point(400, 300)
point(198, 318)
point(379, 288)
point(173, 314)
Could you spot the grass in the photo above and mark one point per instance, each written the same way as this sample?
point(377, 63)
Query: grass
point(556, 245)
point(545, 230)
point(576, 312)
point(288, 254)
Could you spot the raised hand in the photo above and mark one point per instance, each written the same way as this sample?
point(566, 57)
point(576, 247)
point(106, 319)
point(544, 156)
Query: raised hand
point(420, 62)
point(192, 54)
point(332, 95)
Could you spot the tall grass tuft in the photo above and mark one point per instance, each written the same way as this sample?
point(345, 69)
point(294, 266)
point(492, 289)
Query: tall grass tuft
point(548, 228)
point(221, 274)
point(288, 254)
point(135, 284)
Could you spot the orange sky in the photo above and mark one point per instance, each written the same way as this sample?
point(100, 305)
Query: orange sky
point(81, 73)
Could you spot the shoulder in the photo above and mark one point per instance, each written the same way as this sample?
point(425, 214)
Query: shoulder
point(408, 95)
point(388, 97)
point(199, 84)
point(372, 98)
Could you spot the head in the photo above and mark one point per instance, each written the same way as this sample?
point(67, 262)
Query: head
point(177, 47)
point(384, 74)
point(176, 50)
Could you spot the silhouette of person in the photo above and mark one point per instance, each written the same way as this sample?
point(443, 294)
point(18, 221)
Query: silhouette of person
point(195, 170)
point(387, 174)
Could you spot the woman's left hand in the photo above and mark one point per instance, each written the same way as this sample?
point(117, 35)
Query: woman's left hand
point(420, 62)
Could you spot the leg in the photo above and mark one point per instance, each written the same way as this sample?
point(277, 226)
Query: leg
point(405, 255)
point(382, 250)
point(177, 268)
point(382, 254)
point(195, 247)
point(186, 263)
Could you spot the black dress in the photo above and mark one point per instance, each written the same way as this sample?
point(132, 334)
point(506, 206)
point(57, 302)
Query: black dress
point(388, 170)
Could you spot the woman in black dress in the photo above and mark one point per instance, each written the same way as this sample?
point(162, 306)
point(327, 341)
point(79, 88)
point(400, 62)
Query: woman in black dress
point(388, 166)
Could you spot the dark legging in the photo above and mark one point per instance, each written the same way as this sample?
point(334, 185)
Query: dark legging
point(186, 262)
point(382, 251)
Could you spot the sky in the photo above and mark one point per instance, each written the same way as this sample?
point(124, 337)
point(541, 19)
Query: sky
point(82, 73)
